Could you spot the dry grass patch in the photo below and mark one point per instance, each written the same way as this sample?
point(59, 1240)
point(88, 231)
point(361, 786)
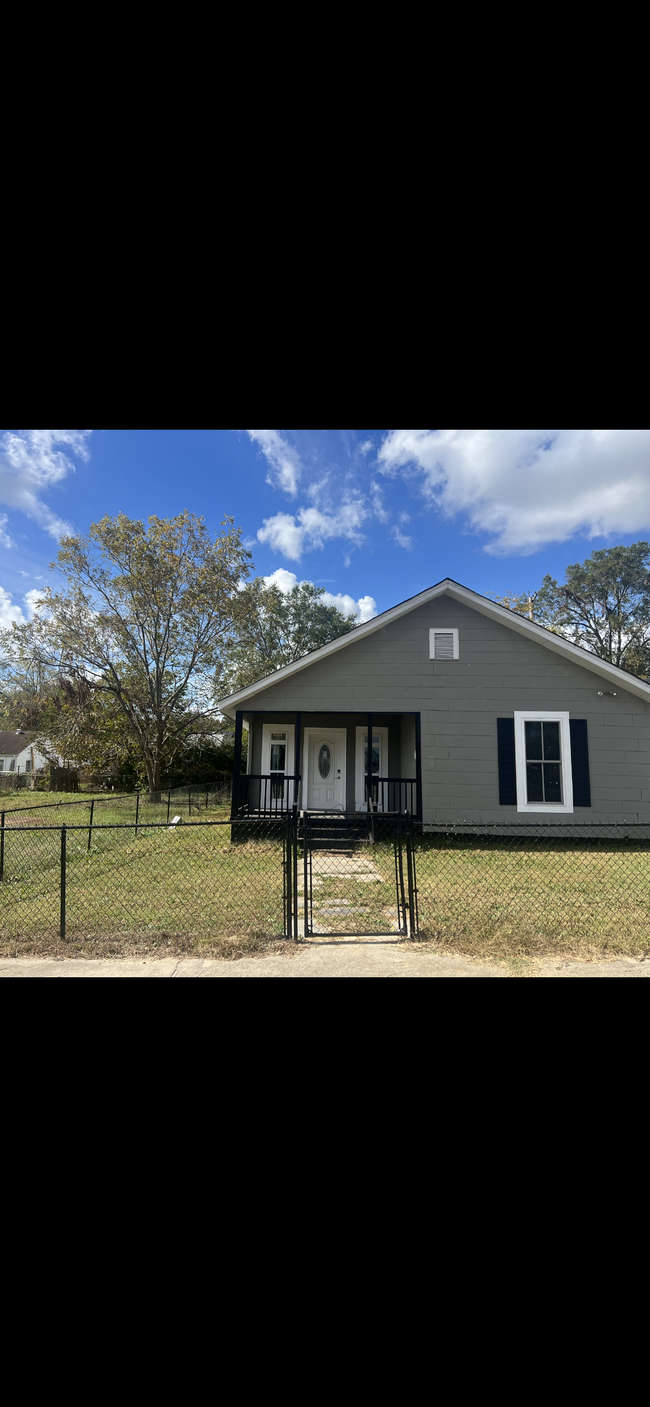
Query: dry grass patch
point(557, 899)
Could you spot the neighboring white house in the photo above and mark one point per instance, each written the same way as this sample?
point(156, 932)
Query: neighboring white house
point(18, 754)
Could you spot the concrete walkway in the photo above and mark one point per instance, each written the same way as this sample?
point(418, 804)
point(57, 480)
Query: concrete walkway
point(354, 959)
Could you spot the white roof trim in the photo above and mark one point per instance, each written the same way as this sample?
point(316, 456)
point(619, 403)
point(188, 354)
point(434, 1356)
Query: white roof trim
point(521, 624)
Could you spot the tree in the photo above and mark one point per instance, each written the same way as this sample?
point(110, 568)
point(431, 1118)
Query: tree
point(603, 605)
point(274, 628)
point(136, 633)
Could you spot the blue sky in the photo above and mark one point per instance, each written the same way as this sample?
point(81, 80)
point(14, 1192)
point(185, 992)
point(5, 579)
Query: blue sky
point(374, 516)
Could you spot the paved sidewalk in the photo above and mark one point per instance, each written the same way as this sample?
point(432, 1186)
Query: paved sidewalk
point(354, 959)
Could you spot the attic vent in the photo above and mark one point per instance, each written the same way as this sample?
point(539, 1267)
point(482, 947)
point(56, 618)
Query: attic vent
point(443, 645)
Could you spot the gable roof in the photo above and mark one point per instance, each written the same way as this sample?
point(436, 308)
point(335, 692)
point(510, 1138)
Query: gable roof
point(11, 742)
point(521, 624)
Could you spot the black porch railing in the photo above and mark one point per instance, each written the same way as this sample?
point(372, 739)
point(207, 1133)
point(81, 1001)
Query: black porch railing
point(268, 794)
point(393, 794)
point(272, 793)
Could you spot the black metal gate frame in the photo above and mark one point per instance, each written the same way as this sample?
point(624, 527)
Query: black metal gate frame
point(405, 875)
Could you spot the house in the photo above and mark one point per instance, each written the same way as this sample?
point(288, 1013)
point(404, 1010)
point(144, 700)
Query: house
point(18, 754)
point(476, 715)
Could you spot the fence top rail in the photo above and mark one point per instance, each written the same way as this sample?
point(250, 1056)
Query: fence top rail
point(85, 801)
point(112, 796)
point(153, 825)
point(514, 826)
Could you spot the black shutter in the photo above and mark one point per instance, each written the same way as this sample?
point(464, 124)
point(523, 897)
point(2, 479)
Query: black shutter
point(580, 762)
point(507, 770)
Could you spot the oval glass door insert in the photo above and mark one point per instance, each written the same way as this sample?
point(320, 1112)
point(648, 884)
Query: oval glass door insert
point(325, 761)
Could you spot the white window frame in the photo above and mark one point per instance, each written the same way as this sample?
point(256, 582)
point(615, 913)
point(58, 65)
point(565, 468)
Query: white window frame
point(289, 771)
point(541, 807)
point(443, 630)
point(360, 803)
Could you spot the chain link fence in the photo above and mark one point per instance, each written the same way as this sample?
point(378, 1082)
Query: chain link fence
point(521, 889)
point(353, 876)
point(535, 887)
point(203, 880)
point(188, 802)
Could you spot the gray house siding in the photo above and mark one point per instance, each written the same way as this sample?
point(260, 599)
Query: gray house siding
point(499, 671)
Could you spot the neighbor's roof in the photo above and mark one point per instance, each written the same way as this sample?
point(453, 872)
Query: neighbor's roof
point(11, 743)
point(521, 624)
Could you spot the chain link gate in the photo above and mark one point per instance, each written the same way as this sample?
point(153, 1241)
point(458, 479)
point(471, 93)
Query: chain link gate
point(350, 875)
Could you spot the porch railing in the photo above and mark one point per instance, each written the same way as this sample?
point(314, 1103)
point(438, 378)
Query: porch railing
point(393, 794)
point(267, 794)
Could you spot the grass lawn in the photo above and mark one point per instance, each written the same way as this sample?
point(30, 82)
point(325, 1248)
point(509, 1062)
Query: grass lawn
point(189, 890)
point(558, 897)
point(183, 890)
point(72, 809)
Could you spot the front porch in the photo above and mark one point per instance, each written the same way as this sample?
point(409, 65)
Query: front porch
point(321, 762)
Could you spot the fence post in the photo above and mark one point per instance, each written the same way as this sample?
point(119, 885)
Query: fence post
point(189, 801)
point(404, 919)
point(295, 871)
point(306, 927)
point(410, 871)
point(137, 811)
point(169, 802)
point(90, 827)
point(63, 859)
point(2, 847)
point(288, 883)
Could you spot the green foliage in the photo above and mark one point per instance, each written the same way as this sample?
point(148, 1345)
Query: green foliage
point(117, 666)
point(274, 628)
point(603, 605)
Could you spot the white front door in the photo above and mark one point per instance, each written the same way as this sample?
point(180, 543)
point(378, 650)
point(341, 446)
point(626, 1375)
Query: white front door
point(325, 770)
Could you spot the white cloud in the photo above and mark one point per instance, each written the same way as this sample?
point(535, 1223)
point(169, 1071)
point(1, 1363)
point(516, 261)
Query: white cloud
point(30, 463)
point(284, 580)
point(364, 609)
point(5, 539)
point(8, 613)
point(284, 535)
point(402, 540)
point(529, 487)
point(285, 467)
point(366, 447)
point(31, 598)
point(311, 528)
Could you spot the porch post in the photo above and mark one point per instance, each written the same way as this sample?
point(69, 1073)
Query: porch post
point(418, 764)
point(369, 770)
point(297, 762)
point(236, 769)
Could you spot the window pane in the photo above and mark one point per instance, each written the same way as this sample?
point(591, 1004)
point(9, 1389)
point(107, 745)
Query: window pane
point(325, 761)
point(278, 737)
point(551, 742)
point(375, 753)
point(552, 788)
point(534, 781)
point(443, 646)
point(533, 740)
point(278, 751)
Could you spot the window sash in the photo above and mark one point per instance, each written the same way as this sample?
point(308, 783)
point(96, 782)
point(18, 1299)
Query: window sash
point(543, 778)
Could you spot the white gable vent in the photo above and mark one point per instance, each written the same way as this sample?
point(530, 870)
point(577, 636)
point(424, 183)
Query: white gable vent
point(443, 644)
